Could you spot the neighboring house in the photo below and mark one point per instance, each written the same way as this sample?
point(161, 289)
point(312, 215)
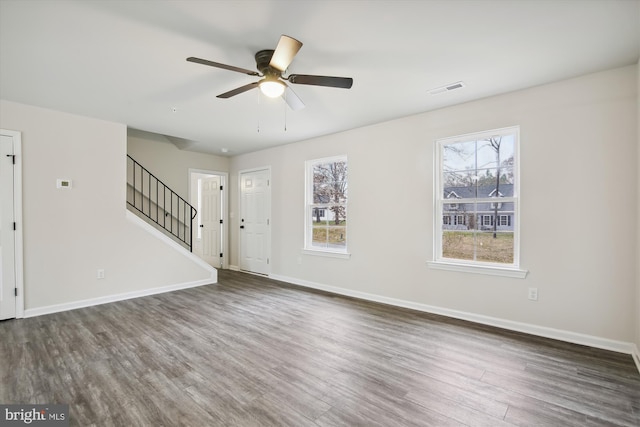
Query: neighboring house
point(323, 214)
point(459, 215)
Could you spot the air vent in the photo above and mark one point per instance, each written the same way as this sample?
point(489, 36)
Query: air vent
point(447, 88)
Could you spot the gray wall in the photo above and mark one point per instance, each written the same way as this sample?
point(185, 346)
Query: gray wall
point(579, 242)
point(69, 234)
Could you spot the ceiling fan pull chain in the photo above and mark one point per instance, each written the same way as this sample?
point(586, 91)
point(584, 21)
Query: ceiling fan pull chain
point(258, 112)
point(285, 111)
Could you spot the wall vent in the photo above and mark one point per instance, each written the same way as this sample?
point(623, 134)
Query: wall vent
point(447, 88)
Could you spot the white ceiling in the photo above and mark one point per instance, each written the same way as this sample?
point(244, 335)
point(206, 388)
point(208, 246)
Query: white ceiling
point(124, 61)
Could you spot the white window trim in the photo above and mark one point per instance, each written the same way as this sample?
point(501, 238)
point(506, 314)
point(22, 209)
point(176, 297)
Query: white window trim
point(328, 253)
point(308, 249)
point(490, 269)
point(442, 263)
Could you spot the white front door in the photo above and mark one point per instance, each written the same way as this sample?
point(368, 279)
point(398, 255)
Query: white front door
point(255, 212)
point(7, 234)
point(210, 220)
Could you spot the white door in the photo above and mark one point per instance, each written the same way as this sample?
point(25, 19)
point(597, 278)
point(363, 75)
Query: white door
point(255, 210)
point(210, 220)
point(7, 233)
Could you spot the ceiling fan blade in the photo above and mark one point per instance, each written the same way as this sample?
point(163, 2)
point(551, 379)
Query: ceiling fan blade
point(238, 91)
point(303, 79)
point(292, 100)
point(223, 66)
point(284, 53)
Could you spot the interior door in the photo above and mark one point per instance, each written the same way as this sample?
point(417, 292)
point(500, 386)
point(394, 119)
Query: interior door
point(255, 210)
point(210, 221)
point(7, 234)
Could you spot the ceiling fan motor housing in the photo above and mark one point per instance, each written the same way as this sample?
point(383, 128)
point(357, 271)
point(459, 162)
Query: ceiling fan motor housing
point(263, 58)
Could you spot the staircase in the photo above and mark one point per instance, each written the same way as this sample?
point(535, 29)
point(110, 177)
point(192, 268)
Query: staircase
point(152, 200)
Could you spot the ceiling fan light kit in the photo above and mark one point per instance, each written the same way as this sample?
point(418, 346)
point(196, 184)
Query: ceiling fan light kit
point(272, 64)
point(271, 88)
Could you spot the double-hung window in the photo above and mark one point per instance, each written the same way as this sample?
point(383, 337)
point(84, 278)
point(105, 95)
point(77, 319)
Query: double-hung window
point(326, 206)
point(481, 169)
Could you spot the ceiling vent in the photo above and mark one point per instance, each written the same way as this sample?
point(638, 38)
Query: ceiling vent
point(447, 88)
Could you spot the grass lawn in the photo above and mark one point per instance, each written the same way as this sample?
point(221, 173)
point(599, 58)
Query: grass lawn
point(463, 245)
point(327, 232)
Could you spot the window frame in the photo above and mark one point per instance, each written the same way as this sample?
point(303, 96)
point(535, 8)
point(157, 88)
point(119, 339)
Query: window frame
point(309, 205)
point(440, 200)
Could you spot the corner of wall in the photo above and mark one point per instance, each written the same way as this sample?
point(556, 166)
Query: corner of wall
point(637, 354)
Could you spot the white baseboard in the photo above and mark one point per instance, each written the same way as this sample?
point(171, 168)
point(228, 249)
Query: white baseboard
point(234, 268)
point(56, 308)
point(542, 331)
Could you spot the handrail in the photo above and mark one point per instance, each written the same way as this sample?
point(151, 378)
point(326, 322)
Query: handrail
point(159, 203)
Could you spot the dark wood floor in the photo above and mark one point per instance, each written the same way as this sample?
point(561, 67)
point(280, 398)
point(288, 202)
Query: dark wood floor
point(255, 352)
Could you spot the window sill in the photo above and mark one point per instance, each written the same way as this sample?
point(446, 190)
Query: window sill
point(328, 254)
point(479, 269)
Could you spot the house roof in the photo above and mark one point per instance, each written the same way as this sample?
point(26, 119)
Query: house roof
point(469, 192)
point(125, 61)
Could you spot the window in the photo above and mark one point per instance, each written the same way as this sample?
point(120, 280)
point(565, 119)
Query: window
point(446, 220)
point(326, 205)
point(478, 168)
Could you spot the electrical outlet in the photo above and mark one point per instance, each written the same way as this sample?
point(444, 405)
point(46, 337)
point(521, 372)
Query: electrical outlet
point(533, 294)
point(100, 274)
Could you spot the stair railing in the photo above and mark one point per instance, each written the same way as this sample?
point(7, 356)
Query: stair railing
point(160, 204)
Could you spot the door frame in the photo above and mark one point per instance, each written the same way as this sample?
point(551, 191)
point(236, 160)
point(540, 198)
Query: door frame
point(17, 217)
point(224, 202)
point(240, 173)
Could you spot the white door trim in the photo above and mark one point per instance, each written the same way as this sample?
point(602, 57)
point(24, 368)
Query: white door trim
point(239, 195)
point(224, 215)
point(17, 215)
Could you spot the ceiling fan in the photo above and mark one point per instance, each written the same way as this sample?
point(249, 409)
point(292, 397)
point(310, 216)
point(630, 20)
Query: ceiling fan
point(271, 65)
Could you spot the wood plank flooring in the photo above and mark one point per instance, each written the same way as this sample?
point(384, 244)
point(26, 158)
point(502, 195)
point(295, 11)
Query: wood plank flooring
point(250, 351)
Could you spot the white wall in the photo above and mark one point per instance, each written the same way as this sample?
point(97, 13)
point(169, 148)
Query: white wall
point(69, 234)
point(578, 232)
point(170, 164)
point(637, 260)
